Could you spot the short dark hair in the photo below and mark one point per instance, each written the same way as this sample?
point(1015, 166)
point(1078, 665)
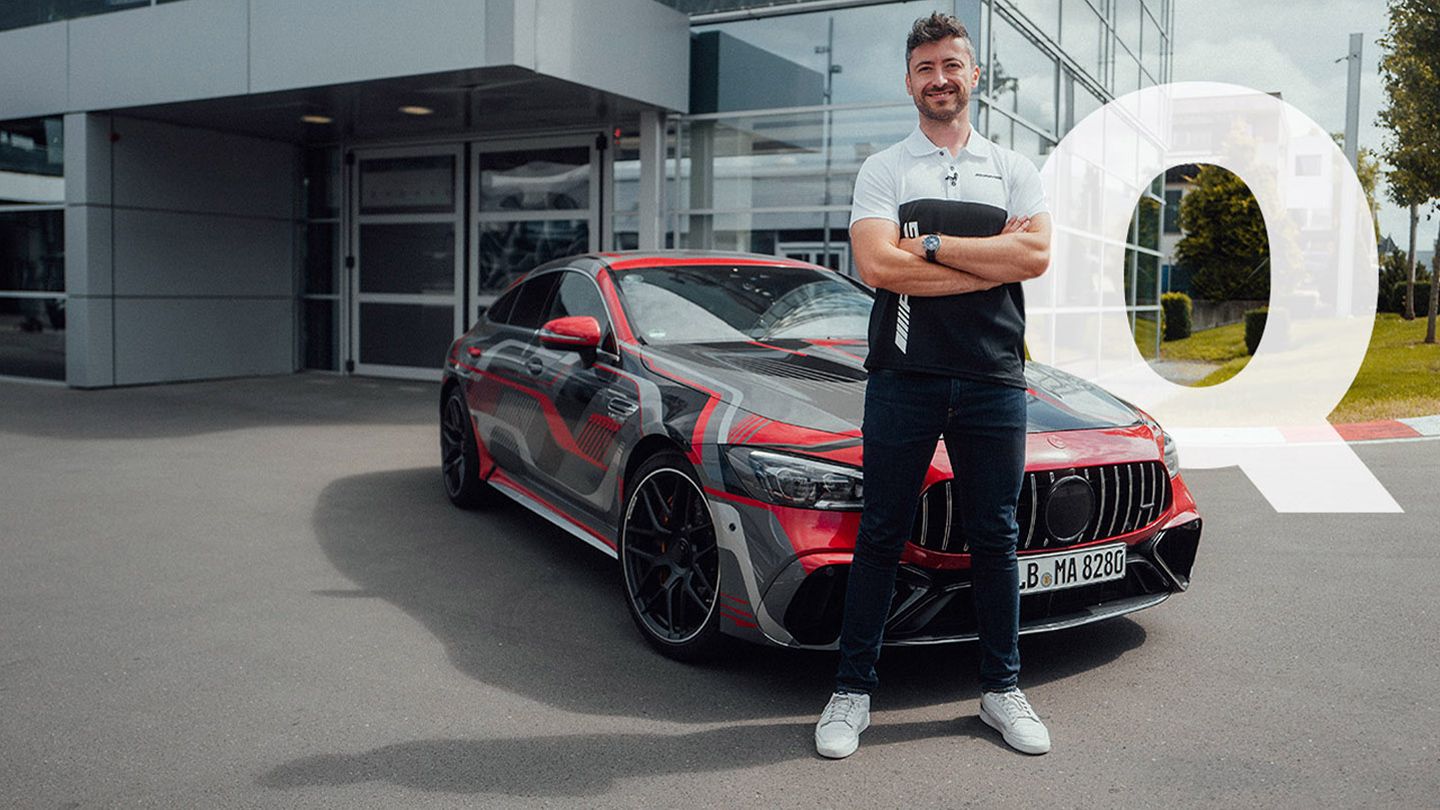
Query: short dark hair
point(935, 28)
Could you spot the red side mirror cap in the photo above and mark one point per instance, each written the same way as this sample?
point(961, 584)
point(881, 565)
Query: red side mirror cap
point(575, 332)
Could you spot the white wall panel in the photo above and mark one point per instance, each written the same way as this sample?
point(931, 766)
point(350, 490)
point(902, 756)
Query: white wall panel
point(167, 253)
point(89, 352)
point(88, 239)
point(305, 43)
point(171, 52)
point(33, 62)
point(159, 340)
point(183, 169)
point(634, 48)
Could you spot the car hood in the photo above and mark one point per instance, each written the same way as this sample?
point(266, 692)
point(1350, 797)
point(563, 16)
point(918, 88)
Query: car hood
point(821, 385)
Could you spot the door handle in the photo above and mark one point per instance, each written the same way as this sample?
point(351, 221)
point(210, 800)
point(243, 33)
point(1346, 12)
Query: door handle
point(535, 366)
point(621, 408)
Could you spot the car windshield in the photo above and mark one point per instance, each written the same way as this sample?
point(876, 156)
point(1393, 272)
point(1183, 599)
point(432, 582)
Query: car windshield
point(722, 302)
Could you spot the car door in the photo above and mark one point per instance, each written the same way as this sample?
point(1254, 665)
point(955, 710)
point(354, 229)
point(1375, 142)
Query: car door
point(509, 409)
point(593, 401)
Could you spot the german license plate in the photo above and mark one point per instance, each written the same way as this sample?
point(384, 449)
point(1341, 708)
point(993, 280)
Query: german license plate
point(1068, 569)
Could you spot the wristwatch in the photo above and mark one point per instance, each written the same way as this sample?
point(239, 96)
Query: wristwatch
point(931, 243)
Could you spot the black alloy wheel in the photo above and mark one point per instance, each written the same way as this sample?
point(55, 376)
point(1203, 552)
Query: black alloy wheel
point(459, 458)
point(670, 560)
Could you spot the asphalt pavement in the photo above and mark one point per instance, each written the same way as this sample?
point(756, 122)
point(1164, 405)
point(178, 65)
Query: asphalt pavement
point(254, 593)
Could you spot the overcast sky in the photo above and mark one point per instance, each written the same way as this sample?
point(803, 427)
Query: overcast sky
point(1291, 47)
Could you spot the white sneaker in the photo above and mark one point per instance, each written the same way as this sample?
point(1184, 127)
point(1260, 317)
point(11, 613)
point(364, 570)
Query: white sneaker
point(1010, 714)
point(837, 735)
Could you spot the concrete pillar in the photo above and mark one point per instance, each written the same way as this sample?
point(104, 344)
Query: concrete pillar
point(652, 180)
point(89, 259)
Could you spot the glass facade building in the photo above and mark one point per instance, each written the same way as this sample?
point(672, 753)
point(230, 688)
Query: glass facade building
point(32, 248)
point(353, 207)
point(792, 97)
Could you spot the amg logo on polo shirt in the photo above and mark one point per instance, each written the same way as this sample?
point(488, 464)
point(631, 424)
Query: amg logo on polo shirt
point(912, 230)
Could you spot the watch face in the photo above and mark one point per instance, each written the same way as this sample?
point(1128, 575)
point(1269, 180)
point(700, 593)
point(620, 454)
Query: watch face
point(931, 242)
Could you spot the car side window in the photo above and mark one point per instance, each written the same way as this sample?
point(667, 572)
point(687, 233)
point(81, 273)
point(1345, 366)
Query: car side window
point(578, 295)
point(534, 296)
point(499, 312)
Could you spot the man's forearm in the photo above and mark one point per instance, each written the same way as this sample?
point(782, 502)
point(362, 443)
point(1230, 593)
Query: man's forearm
point(901, 272)
point(1003, 258)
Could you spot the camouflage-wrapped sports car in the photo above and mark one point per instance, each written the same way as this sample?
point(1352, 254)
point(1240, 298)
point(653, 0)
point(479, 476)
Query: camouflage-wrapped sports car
point(697, 415)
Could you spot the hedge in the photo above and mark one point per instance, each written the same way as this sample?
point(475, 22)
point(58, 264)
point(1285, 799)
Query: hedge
point(1255, 325)
point(1175, 311)
point(1422, 298)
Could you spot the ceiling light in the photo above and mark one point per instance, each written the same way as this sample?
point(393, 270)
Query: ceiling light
point(316, 119)
point(411, 110)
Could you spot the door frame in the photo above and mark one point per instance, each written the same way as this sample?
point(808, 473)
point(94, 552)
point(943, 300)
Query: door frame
point(456, 217)
point(475, 217)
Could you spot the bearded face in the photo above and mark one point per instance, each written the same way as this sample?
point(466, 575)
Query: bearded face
point(940, 78)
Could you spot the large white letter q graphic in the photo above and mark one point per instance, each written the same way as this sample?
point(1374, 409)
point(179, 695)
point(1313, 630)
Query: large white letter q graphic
point(1270, 418)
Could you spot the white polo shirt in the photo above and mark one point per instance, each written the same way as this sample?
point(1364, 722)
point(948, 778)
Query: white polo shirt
point(924, 189)
point(915, 168)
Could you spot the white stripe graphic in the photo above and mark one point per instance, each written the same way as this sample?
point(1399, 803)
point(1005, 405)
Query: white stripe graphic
point(902, 323)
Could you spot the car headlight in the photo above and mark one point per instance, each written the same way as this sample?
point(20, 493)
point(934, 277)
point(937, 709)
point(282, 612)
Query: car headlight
point(1171, 454)
point(786, 480)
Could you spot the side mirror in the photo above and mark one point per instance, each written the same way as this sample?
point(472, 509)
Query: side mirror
point(577, 333)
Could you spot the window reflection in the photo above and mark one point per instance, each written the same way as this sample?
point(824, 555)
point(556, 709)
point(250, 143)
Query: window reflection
point(1081, 36)
point(32, 337)
point(511, 249)
point(1022, 77)
point(535, 180)
point(32, 251)
point(21, 13)
point(867, 47)
point(32, 158)
point(782, 160)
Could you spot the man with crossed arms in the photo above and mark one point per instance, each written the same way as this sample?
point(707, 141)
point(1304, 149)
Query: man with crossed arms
point(945, 225)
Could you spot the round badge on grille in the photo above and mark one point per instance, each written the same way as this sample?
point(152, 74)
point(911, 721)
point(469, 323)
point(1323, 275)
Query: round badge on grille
point(1068, 505)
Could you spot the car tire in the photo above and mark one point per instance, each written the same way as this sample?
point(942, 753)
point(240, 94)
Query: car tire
point(459, 457)
point(670, 574)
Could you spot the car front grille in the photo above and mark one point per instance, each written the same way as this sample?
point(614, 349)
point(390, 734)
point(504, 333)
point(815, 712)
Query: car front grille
point(1121, 498)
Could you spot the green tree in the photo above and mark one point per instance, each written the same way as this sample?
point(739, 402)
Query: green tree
point(1225, 245)
point(1411, 71)
point(1405, 192)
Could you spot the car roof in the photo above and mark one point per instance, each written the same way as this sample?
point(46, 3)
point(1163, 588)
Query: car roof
point(632, 259)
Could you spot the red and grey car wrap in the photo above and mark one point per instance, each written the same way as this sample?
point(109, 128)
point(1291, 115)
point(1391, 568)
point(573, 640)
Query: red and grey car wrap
point(565, 441)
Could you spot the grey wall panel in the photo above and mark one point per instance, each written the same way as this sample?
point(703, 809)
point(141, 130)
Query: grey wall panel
point(167, 253)
point(635, 48)
point(501, 46)
point(87, 159)
point(170, 52)
point(88, 239)
point(184, 169)
point(88, 342)
point(160, 340)
point(304, 43)
point(33, 62)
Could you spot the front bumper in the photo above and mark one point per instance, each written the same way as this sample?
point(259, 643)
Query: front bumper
point(935, 606)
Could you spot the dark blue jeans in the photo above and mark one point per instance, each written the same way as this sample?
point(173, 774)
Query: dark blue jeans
point(984, 429)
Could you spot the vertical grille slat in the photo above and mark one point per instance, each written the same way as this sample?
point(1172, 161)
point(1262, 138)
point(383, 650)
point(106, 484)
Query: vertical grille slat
point(1034, 504)
point(949, 515)
point(925, 519)
point(1153, 492)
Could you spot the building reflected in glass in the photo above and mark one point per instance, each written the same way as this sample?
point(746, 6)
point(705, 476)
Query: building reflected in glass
point(788, 99)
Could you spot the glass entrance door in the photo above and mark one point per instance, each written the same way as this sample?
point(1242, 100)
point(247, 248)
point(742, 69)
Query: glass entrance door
point(407, 214)
point(532, 201)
